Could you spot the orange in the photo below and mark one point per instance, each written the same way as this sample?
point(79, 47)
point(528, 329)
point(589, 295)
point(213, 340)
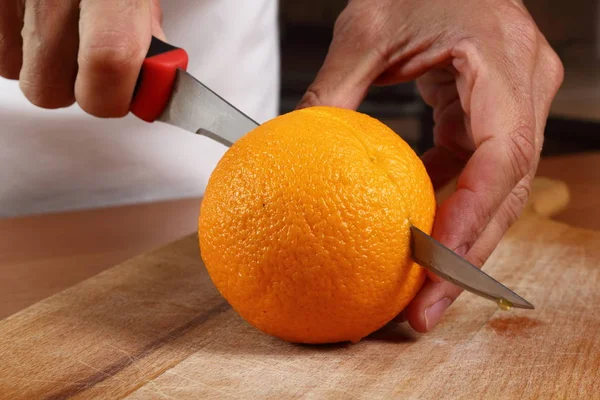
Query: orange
point(305, 225)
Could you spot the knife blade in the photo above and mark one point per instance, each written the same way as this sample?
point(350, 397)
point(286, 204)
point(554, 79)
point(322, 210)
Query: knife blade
point(218, 120)
point(443, 262)
point(166, 92)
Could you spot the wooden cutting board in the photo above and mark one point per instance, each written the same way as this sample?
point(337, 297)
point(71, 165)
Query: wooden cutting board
point(155, 327)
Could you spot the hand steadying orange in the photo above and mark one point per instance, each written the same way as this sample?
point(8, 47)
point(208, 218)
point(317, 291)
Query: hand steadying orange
point(490, 76)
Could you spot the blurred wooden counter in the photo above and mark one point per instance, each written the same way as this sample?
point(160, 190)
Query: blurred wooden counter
point(39, 255)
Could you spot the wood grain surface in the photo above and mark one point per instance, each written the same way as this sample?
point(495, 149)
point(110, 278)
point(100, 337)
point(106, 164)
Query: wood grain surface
point(154, 327)
point(41, 255)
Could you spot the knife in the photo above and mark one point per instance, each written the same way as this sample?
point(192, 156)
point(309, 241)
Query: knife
point(165, 92)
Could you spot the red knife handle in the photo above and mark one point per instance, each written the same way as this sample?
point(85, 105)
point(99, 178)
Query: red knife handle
point(155, 83)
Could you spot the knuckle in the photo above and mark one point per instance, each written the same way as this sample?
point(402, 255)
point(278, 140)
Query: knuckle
point(368, 28)
point(311, 98)
point(479, 215)
point(478, 259)
point(522, 150)
point(362, 26)
point(514, 205)
point(112, 53)
point(47, 96)
point(343, 24)
point(101, 111)
point(520, 195)
point(472, 65)
point(554, 67)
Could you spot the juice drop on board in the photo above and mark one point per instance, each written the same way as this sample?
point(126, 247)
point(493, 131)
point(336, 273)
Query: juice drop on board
point(504, 304)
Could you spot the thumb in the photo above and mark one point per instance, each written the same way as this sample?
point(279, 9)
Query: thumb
point(157, 20)
point(351, 66)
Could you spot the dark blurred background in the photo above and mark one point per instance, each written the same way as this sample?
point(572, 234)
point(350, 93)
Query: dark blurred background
point(572, 28)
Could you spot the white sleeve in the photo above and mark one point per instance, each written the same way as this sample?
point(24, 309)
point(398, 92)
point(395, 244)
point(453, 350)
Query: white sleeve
point(63, 160)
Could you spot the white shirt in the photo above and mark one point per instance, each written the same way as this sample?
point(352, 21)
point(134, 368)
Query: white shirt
point(65, 159)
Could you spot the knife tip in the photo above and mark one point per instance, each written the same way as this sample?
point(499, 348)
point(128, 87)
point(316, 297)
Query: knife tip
point(524, 304)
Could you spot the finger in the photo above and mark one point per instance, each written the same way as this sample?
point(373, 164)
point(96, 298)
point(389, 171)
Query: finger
point(114, 38)
point(11, 44)
point(507, 214)
point(351, 64)
point(549, 66)
point(488, 178)
point(452, 127)
point(438, 87)
point(504, 131)
point(430, 304)
point(498, 225)
point(49, 52)
point(427, 308)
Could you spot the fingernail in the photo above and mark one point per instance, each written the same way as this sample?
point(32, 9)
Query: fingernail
point(462, 250)
point(433, 313)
